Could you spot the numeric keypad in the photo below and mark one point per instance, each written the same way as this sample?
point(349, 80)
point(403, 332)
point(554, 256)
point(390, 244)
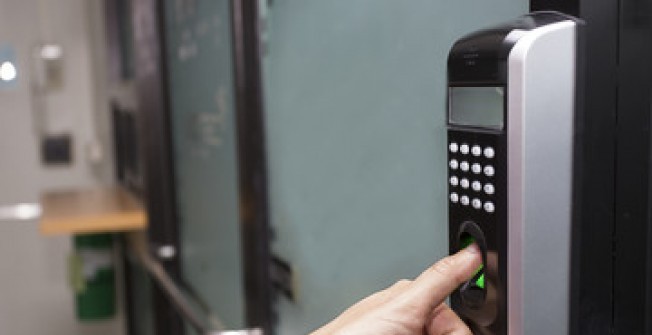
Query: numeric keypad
point(472, 172)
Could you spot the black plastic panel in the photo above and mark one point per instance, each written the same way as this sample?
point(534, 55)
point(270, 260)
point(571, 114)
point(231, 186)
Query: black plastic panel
point(570, 7)
point(491, 317)
point(481, 57)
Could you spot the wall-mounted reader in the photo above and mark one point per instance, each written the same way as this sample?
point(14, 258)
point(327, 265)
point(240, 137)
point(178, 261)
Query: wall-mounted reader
point(511, 115)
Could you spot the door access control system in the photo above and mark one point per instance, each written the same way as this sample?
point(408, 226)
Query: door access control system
point(511, 115)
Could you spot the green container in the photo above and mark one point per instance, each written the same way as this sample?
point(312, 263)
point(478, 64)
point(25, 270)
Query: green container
point(92, 276)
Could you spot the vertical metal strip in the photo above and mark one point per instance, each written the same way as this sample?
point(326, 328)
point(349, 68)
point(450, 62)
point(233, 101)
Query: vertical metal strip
point(154, 129)
point(252, 163)
point(127, 273)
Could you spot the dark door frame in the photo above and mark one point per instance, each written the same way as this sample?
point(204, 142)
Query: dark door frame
point(633, 231)
point(155, 133)
point(153, 95)
point(252, 163)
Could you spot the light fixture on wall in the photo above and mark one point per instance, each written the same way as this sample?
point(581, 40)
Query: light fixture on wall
point(51, 51)
point(8, 67)
point(8, 71)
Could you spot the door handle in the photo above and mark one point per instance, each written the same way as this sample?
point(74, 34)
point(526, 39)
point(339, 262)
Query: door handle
point(25, 211)
point(208, 324)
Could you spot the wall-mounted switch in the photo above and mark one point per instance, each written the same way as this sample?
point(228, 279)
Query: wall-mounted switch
point(56, 149)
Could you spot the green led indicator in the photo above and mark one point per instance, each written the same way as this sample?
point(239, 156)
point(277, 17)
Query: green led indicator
point(480, 282)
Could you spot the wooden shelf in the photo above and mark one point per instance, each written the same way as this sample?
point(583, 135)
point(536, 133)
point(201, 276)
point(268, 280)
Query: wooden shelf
point(91, 211)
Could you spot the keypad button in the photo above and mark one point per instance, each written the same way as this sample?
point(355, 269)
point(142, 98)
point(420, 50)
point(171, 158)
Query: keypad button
point(464, 166)
point(464, 183)
point(454, 181)
point(453, 147)
point(464, 149)
point(489, 171)
point(464, 200)
point(489, 152)
point(476, 168)
point(476, 203)
point(476, 186)
point(453, 164)
point(455, 198)
point(489, 207)
point(476, 150)
point(489, 189)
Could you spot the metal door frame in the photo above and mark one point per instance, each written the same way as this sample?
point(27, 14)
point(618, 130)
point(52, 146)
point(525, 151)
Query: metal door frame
point(156, 138)
point(633, 228)
point(252, 163)
point(158, 159)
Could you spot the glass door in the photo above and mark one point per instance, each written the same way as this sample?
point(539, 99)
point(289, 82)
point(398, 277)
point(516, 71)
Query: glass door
point(355, 114)
point(200, 73)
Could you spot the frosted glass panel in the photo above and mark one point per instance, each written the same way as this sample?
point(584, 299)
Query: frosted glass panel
point(201, 91)
point(356, 113)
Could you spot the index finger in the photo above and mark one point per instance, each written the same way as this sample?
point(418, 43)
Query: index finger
point(432, 287)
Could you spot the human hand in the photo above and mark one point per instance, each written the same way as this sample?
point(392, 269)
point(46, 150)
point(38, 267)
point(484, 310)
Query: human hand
point(412, 307)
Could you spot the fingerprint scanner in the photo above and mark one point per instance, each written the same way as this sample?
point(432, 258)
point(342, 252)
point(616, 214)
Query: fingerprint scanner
point(467, 240)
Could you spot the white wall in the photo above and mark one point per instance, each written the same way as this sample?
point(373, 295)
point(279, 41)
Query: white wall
point(34, 293)
point(81, 104)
